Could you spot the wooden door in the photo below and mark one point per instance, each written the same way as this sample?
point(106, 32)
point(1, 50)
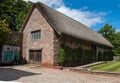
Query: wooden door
point(35, 56)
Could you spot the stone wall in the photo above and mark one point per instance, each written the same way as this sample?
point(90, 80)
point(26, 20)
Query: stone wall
point(116, 58)
point(15, 39)
point(46, 43)
point(56, 48)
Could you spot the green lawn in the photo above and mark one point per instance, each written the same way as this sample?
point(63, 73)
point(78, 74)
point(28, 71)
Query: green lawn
point(108, 66)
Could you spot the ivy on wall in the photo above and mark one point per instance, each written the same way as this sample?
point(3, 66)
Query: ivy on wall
point(78, 56)
point(73, 57)
point(105, 56)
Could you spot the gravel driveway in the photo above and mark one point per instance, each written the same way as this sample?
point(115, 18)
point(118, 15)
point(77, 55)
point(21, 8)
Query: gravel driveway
point(27, 74)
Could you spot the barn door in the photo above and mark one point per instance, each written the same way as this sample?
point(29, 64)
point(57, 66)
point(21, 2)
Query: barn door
point(35, 56)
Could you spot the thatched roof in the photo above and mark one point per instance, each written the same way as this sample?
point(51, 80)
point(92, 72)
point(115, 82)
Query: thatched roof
point(63, 24)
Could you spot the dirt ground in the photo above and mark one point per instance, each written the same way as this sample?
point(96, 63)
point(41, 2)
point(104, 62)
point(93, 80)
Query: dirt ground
point(27, 74)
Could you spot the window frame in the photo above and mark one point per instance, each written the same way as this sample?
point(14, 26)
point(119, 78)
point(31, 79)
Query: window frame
point(35, 35)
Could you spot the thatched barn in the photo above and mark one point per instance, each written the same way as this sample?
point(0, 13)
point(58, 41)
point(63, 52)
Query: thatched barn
point(46, 29)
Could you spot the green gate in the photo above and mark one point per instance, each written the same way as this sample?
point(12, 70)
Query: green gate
point(9, 56)
point(10, 53)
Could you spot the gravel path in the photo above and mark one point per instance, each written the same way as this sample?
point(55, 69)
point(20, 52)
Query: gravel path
point(45, 75)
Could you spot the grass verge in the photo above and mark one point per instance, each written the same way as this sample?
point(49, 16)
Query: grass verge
point(108, 66)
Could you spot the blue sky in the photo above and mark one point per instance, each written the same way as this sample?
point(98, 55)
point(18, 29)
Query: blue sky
point(92, 13)
point(110, 7)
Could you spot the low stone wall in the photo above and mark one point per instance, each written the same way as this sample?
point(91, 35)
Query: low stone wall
point(88, 71)
point(116, 58)
point(84, 69)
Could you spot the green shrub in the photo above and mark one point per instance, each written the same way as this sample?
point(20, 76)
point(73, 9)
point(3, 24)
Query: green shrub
point(61, 55)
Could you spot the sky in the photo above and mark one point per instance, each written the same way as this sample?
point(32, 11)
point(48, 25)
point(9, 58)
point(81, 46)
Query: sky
point(92, 13)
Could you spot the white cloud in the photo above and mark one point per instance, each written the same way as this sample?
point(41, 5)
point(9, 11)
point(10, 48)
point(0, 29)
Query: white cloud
point(82, 15)
point(86, 17)
point(118, 30)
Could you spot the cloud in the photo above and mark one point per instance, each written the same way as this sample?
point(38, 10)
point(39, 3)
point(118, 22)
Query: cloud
point(86, 17)
point(82, 15)
point(118, 30)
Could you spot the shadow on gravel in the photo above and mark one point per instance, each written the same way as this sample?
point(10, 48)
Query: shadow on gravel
point(9, 74)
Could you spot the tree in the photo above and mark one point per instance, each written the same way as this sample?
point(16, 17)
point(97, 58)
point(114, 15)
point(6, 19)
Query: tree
point(11, 11)
point(22, 15)
point(4, 32)
point(108, 32)
point(112, 36)
point(8, 12)
point(116, 43)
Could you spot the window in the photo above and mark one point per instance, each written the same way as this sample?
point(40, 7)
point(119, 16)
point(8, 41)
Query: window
point(36, 35)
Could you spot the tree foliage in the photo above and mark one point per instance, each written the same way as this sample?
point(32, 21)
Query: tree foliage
point(14, 11)
point(4, 32)
point(116, 43)
point(112, 36)
point(108, 32)
point(22, 14)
